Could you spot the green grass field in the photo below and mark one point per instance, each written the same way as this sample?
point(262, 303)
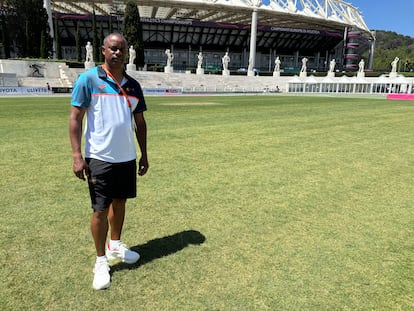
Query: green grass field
point(251, 203)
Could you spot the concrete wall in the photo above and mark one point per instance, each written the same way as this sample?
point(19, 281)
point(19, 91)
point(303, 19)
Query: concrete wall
point(27, 68)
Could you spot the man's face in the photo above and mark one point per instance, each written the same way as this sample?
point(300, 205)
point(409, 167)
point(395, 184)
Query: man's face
point(114, 50)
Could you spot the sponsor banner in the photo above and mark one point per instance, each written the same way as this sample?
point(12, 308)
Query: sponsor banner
point(20, 90)
point(400, 96)
point(166, 21)
point(162, 91)
point(195, 23)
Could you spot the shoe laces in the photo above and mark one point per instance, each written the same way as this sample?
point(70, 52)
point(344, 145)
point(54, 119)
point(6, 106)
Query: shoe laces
point(123, 247)
point(119, 249)
point(101, 267)
point(120, 246)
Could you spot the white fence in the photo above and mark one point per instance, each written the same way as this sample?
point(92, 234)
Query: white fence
point(344, 85)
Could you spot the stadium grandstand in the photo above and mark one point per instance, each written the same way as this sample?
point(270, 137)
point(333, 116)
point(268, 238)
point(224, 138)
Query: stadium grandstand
point(254, 32)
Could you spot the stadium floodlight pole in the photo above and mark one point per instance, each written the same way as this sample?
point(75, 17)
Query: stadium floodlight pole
point(253, 38)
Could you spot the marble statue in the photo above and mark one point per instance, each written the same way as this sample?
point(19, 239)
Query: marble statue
point(200, 70)
point(200, 60)
point(361, 69)
point(361, 65)
point(89, 63)
point(226, 60)
point(89, 52)
point(332, 65)
point(394, 64)
point(277, 64)
point(170, 57)
point(304, 61)
point(132, 55)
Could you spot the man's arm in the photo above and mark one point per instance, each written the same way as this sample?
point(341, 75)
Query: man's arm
point(141, 134)
point(75, 135)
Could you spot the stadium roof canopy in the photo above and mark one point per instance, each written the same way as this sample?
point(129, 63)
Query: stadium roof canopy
point(300, 14)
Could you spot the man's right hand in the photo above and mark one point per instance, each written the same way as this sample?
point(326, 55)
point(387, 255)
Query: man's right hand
point(80, 168)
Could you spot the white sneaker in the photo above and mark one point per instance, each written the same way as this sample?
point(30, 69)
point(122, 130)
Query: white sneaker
point(123, 253)
point(101, 279)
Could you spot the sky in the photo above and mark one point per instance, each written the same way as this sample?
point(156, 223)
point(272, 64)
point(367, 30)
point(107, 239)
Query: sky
point(388, 15)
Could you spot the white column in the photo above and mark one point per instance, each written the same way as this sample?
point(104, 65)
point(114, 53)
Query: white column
point(189, 57)
point(371, 52)
point(270, 59)
point(253, 38)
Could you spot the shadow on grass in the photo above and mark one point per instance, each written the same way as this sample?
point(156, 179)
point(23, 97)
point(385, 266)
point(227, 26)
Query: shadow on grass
point(162, 247)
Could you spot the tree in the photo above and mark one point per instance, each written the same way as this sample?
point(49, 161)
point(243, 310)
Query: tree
point(389, 45)
point(132, 30)
point(110, 26)
point(57, 36)
point(43, 52)
point(95, 43)
point(101, 38)
point(27, 29)
point(78, 43)
point(5, 31)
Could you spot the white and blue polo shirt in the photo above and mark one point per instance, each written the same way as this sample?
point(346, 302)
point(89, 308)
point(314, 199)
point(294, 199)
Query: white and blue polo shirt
point(109, 134)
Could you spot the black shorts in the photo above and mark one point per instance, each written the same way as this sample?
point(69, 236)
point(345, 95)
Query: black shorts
point(108, 181)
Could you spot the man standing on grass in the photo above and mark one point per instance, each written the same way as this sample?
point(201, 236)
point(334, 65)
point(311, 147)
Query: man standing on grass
point(114, 106)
